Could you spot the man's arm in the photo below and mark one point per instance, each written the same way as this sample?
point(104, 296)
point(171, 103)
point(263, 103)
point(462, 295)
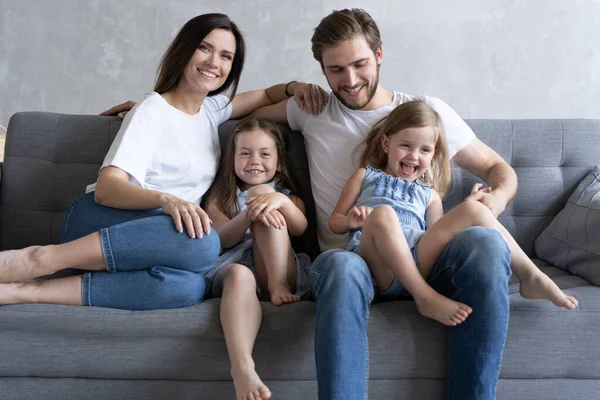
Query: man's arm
point(479, 159)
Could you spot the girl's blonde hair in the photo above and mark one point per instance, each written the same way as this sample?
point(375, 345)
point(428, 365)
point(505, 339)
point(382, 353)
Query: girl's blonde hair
point(413, 114)
point(224, 189)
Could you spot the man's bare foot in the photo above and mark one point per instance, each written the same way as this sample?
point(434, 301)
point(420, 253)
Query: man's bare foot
point(282, 295)
point(248, 385)
point(540, 286)
point(18, 265)
point(443, 309)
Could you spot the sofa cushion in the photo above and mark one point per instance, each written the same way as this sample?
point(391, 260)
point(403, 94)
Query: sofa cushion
point(572, 240)
point(187, 344)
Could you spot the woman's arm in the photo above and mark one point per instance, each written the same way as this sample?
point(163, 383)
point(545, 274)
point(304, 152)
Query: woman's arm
point(113, 189)
point(309, 96)
point(340, 222)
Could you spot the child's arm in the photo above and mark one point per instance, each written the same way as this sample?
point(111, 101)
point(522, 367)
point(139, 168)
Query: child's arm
point(296, 220)
point(291, 208)
point(435, 209)
point(231, 231)
point(342, 220)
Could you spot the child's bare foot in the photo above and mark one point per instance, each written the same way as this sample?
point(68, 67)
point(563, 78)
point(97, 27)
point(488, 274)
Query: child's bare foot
point(248, 385)
point(540, 286)
point(282, 295)
point(17, 265)
point(443, 309)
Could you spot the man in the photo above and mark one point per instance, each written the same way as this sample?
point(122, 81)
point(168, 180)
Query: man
point(475, 267)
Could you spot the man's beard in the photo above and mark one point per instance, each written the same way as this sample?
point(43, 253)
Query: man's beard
point(371, 92)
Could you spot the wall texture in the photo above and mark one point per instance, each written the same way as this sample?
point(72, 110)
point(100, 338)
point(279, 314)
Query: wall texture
point(488, 59)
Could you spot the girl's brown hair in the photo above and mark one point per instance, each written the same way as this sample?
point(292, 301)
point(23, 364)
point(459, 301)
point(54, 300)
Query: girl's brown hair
point(224, 189)
point(412, 114)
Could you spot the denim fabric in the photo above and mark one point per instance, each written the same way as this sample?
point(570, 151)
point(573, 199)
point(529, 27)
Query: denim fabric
point(343, 288)
point(149, 264)
point(474, 269)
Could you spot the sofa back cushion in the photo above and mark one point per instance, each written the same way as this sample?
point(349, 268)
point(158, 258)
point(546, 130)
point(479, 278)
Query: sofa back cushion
point(50, 158)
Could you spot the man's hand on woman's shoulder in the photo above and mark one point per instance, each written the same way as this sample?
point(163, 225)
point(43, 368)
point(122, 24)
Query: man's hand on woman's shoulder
point(120, 110)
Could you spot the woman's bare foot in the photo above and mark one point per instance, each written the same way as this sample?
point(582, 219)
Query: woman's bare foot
point(18, 265)
point(282, 295)
point(16, 293)
point(442, 309)
point(248, 385)
point(540, 286)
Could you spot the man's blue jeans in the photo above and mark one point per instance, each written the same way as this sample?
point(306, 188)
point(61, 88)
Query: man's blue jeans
point(149, 265)
point(474, 269)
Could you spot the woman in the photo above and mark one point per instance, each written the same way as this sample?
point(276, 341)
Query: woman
point(127, 231)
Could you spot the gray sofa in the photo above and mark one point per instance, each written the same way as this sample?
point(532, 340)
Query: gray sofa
point(62, 352)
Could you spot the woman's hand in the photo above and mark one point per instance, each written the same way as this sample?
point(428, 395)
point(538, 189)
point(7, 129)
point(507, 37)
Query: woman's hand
point(183, 212)
point(261, 205)
point(357, 216)
point(311, 97)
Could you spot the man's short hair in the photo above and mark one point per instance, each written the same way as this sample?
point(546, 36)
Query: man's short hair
point(342, 25)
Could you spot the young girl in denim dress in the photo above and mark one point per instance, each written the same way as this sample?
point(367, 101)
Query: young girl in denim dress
point(392, 209)
point(254, 211)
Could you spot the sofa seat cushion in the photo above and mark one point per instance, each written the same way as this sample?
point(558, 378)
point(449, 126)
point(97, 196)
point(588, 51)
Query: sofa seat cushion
point(188, 344)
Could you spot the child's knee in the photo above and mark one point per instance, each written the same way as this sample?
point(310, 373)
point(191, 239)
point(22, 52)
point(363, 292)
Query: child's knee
point(477, 212)
point(260, 189)
point(239, 274)
point(382, 216)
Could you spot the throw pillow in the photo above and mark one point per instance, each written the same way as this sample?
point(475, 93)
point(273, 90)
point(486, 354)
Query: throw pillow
point(572, 240)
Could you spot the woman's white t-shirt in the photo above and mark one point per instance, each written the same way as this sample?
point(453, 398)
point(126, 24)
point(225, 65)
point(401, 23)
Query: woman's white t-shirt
point(164, 149)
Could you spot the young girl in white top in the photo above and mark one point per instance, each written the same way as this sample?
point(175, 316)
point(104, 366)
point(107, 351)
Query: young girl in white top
point(254, 211)
point(388, 203)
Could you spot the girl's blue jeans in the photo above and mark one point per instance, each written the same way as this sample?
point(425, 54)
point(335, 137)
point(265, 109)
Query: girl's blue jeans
point(149, 265)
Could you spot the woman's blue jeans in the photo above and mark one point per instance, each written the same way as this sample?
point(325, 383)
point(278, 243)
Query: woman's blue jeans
point(474, 269)
point(149, 265)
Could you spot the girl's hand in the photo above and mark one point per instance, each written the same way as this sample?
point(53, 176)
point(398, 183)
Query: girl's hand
point(263, 204)
point(192, 215)
point(275, 219)
point(311, 97)
point(487, 197)
point(357, 216)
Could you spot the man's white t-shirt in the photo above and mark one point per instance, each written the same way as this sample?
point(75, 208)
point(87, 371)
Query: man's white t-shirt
point(332, 138)
point(167, 150)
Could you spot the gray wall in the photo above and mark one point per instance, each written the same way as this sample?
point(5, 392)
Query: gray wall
point(488, 59)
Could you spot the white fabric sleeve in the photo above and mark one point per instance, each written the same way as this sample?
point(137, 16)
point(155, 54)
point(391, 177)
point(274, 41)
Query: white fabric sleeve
point(458, 133)
point(296, 119)
point(134, 146)
point(219, 107)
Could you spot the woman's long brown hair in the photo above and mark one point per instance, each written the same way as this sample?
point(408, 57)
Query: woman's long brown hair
point(185, 44)
point(224, 189)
